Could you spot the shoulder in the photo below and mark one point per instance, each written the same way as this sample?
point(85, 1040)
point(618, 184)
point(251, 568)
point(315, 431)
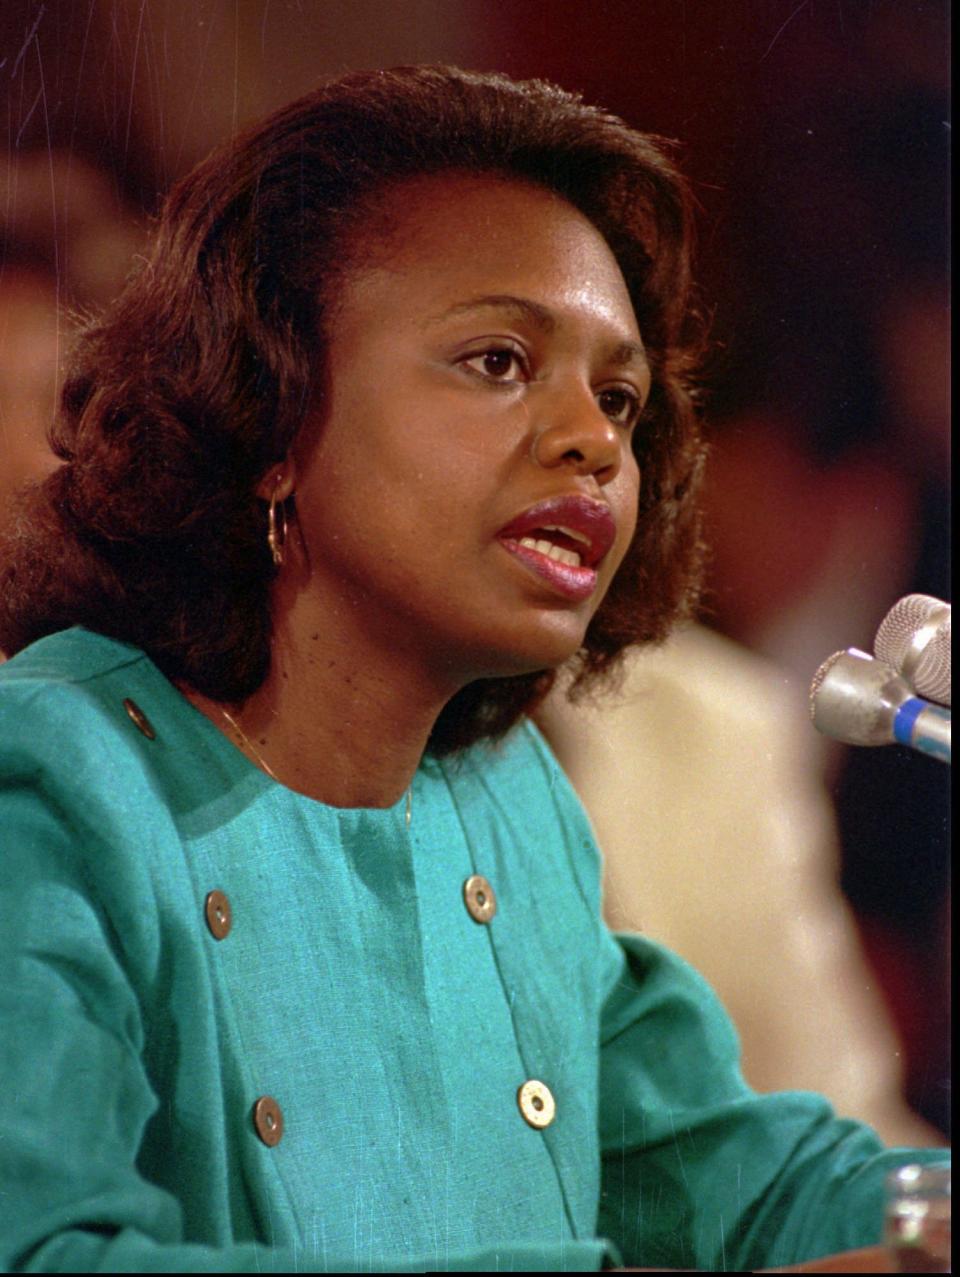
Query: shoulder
point(65, 704)
point(522, 757)
point(91, 726)
point(69, 657)
point(106, 776)
point(71, 751)
point(522, 770)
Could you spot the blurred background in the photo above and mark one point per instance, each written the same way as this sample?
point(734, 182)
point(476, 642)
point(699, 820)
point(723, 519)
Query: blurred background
point(816, 135)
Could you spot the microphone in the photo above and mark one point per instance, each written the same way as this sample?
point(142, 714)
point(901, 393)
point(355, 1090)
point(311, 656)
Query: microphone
point(862, 701)
point(914, 637)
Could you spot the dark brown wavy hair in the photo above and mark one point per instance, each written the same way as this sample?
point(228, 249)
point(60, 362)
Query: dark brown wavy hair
point(199, 377)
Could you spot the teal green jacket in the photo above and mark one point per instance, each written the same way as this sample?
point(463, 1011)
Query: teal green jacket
point(356, 990)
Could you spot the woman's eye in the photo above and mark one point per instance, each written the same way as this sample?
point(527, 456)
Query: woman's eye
point(622, 406)
point(499, 363)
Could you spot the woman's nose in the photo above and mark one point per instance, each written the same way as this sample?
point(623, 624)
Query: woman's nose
point(573, 432)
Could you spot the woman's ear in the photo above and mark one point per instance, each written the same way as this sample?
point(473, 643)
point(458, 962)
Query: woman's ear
point(279, 482)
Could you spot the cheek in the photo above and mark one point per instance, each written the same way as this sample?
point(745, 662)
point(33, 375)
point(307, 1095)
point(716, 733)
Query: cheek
point(401, 471)
point(625, 500)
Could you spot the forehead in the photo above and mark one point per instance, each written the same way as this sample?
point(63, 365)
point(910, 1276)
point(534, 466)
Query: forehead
point(442, 237)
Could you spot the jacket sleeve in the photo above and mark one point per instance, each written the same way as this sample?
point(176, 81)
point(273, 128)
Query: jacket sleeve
point(78, 1099)
point(699, 1171)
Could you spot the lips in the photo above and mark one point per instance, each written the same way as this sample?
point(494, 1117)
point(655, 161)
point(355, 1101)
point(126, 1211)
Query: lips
point(590, 521)
point(562, 540)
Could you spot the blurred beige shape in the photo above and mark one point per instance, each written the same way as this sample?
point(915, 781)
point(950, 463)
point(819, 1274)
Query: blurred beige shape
point(59, 211)
point(68, 242)
point(29, 354)
point(225, 64)
point(702, 779)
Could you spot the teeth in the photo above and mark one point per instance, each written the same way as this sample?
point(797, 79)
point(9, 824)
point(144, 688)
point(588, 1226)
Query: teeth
point(570, 557)
point(574, 536)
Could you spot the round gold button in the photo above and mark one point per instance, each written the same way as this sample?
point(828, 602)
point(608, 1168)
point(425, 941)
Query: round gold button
point(479, 898)
point(139, 718)
point(537, 1104)
point(216, 909)
point(268, 1120)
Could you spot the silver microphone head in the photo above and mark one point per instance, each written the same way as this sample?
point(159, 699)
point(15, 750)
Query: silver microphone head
point(914, 638)
point(854, 698)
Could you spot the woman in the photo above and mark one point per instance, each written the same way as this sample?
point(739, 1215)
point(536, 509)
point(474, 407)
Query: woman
point(304, 962)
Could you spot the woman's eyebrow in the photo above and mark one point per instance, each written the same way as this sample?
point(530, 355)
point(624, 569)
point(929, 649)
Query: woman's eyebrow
point(519, 306)
point(629, 352)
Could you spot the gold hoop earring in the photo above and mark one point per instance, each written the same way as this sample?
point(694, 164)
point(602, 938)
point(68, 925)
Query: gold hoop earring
point(276, 537)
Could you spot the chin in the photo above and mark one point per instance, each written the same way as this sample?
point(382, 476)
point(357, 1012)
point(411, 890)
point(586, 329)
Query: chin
point(536, 648)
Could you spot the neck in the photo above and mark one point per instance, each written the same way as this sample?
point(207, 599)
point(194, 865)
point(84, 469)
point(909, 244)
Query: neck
point(337, 718)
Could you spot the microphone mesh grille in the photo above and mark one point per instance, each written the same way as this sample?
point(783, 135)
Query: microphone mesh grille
point(931, 674)
point(932, 677)
point(818, 678)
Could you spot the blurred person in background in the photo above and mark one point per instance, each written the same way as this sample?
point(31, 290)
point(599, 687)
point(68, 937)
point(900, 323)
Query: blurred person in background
point(828, 491)
point(66, 246)
point(30, 331)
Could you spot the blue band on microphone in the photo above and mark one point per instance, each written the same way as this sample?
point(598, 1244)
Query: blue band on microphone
point(905, 720)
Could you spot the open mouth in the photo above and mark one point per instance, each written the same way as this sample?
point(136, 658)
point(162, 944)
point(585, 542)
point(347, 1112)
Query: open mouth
point(562, 540)
point(564, 545)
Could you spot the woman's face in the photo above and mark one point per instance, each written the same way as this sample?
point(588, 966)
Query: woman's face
point(470, 489)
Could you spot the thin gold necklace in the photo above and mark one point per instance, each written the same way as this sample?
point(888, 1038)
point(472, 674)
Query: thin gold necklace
point(261, 761)
point(408, 815)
